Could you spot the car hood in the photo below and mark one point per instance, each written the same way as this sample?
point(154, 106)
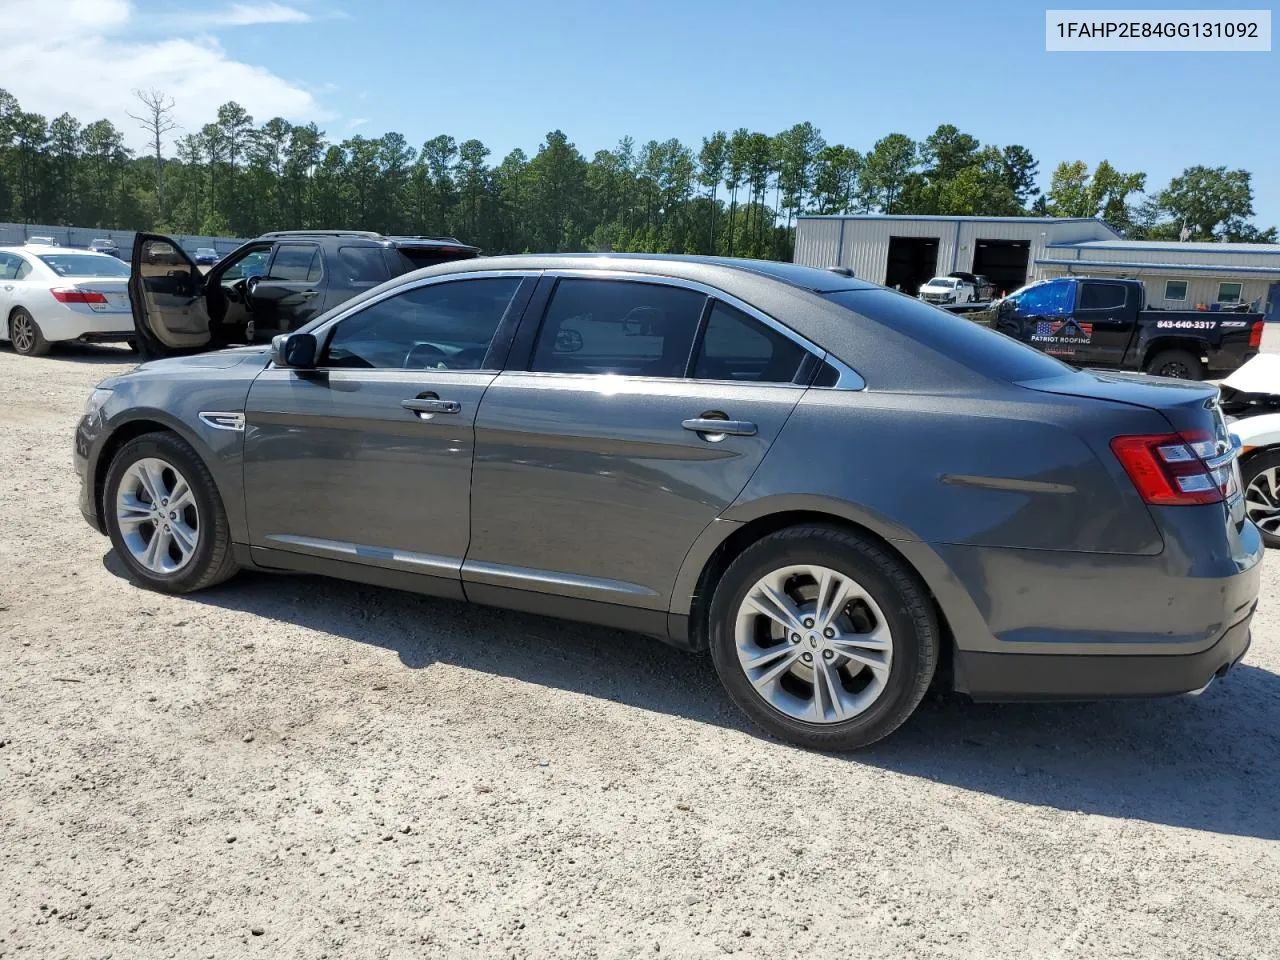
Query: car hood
point(258, 356)
point(1261, 375)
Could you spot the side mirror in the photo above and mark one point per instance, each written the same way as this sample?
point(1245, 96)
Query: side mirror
point(294, 350)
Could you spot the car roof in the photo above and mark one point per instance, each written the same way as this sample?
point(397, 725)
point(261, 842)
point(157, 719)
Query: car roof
point(371, 237)
point(689, 266)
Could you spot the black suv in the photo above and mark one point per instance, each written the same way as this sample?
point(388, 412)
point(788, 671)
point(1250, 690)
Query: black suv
point(270, 285)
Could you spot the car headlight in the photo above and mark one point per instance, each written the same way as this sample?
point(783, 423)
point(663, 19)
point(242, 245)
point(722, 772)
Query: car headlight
point(97, 399)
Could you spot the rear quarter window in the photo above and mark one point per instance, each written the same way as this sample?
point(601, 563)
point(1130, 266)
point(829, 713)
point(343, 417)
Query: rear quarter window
point(985, 351)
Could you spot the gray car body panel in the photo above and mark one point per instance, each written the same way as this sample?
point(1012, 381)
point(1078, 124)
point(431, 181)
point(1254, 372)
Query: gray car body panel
point(1003, 497)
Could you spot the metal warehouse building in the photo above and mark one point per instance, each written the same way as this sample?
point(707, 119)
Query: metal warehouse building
point(905, 251)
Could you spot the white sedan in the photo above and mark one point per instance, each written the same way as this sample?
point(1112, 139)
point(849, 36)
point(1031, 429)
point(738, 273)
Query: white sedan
point(50, 294)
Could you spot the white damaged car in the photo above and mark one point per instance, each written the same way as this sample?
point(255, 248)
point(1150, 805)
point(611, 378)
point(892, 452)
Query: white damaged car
point(50, 294)
point(1250, 398)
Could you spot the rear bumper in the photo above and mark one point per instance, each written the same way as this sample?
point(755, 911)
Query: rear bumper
point(65, 323)
point(1013, 676)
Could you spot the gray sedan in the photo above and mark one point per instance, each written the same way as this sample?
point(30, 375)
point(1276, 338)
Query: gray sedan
point(842, 493)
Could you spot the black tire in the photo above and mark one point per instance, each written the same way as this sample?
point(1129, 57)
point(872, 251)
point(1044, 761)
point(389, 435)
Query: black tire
point(1179, 364)
point(1250, 470)
point(29, 340)
point(898, 592)
point(212, 561)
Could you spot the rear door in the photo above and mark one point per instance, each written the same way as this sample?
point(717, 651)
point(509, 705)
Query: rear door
point(600, 455)
point(166, 294)
point(291, 292)
point(1104, 320)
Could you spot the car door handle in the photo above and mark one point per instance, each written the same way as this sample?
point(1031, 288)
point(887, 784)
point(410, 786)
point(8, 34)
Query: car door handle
point(713, 425)
point(308, 294)
point(431, 405)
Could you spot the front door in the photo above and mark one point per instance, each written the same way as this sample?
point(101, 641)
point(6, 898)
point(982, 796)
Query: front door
point(1102, 323)
point(166, 291)
point(367, 458)
point(600, 462)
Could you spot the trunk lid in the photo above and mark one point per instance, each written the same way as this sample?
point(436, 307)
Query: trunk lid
point(116, 293)
point(1191, 408)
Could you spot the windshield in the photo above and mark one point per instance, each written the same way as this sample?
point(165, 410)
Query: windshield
point(941, 282)
point(977, 347)
point(84, 265)
point(206, 251)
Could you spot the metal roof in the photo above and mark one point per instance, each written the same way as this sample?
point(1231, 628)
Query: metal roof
point(1272, 249)
point(1216, 268)
point(931, 216)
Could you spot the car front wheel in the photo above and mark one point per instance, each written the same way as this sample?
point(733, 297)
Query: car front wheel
point(823, 638)
point(164, 516)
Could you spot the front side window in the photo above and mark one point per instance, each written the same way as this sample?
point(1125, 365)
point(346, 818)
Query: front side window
point(1175, 289)
point(1101, 296)
point(252, 264)
point(738, 347)
point(1229, 292)
point(295, 263)
point(1045, 299)
point(442, 326)
point(618, 327)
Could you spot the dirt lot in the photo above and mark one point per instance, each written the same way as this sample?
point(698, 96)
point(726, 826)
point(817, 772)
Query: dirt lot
point(290, 767)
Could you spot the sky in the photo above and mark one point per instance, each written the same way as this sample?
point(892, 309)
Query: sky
point(507, 72)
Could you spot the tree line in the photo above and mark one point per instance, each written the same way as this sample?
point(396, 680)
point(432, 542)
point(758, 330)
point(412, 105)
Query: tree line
point(737, 193)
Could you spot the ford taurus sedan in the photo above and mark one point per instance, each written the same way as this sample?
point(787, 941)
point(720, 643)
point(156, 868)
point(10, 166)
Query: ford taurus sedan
point(842, 493)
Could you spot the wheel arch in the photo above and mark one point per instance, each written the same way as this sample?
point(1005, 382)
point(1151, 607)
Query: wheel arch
point(736, 537)
point(1192, 346)
point(137, 425)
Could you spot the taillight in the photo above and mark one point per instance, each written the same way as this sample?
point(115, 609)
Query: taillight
point(1176, 469)
point(1255, 334)
point(72, 295)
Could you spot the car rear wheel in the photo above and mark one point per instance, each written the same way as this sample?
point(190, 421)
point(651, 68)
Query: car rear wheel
point(164, 516)
point(1260, 475)
point(25, 335)
point(1179, 364)
point(823, 638)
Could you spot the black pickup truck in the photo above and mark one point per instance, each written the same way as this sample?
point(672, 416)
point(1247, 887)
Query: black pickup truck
point(270, 285)
point(1094, 322)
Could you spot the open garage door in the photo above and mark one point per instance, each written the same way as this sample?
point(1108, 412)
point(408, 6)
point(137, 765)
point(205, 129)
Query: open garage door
point(1004, 262)
point(913, 261)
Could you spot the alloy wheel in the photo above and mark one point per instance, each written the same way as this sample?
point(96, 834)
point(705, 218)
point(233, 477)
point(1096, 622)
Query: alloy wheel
point(23, 333)
point(813, 644)
point(1176, 369)
point(158, 517)
point(1262, 500)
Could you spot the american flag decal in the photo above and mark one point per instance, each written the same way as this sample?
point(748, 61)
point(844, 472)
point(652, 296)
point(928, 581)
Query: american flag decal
point(1064, 328)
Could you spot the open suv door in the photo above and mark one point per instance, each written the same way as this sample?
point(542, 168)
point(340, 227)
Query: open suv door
point(179, 308)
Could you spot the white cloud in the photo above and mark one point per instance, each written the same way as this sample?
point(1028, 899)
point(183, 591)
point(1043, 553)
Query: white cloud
point(85, 57)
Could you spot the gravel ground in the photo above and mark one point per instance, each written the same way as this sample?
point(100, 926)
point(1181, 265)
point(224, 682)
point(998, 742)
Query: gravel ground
point(290, 767)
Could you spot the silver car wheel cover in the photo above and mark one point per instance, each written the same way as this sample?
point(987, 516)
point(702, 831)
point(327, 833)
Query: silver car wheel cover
point(1262, 500)
point(157, 515)
point(814, 644)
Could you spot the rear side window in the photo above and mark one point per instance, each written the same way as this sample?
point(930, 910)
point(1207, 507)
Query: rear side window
point(362, 266)
point(1101, 296)
point(738, 347)
point(296, 263)
point(976, 347)
point(618, 327)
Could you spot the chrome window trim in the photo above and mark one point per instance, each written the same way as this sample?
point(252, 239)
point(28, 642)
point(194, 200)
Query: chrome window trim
point(847, 378)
